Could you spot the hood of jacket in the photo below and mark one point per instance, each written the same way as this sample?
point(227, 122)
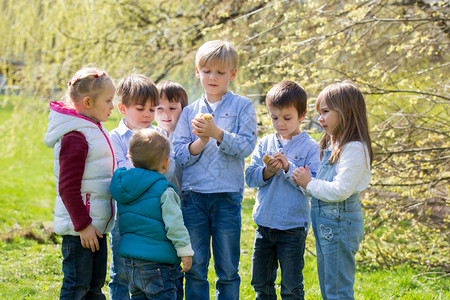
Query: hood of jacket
point(128, 185)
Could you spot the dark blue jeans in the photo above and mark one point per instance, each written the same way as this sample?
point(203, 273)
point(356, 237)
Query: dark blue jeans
point(213, 219)
point(150, 280)
point(118, 286)
point(84, 270)
point(286, 247)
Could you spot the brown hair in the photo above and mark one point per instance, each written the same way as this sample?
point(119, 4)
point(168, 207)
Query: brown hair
point(148, 149)
point(137, 89)
point(173, 91)
point(348, 101)
point(217, 51)
point(88, 81)
point(287, 93)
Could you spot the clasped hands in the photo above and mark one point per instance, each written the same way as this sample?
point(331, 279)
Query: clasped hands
point(205, 129)
point(301, 176)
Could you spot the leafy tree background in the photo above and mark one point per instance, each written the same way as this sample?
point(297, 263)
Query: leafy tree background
point(397, 51)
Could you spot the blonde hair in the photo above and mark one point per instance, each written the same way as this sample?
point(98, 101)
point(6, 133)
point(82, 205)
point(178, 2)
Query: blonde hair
point(87, 82)
point(348, 101)
point(148, 149)
point(217, 52)
point(137, 89)
point(174, 92)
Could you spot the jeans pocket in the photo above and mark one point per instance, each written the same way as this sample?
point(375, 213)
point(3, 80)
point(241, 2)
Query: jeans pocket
point(187, 195)
point(234, 198)
point(152, 280)
point(329, 210)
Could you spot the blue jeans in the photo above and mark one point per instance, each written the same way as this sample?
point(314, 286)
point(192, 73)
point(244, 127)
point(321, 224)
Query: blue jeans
point(150, 280)
point(338, 229)
point(286, 247)
point(214, 216)
point(118, 286)
point(84, 270)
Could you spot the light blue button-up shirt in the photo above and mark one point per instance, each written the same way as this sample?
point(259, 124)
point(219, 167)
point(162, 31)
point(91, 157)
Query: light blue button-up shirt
point(120, 138)
point(280, 203)
point(220, 166)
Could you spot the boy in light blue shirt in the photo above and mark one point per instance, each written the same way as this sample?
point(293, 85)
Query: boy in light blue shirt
point(172, 100)
point(138, 98)
point(281, 209)
point(212, 154)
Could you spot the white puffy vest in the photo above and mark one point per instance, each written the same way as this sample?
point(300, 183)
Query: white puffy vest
point(100, 165)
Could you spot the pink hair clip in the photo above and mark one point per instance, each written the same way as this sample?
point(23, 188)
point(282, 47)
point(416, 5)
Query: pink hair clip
point(96, 75)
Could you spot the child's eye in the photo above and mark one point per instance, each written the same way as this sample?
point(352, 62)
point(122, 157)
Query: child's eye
point(159, 108)
point(139, 108)
point(152, 110)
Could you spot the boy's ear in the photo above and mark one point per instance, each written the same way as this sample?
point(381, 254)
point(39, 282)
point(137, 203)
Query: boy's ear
point(121, 107)
point(166, 163)
point(197, 72)
point(302, 117)
point(233, 75)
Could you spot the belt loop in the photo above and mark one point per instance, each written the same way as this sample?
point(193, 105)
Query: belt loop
point(345, 204)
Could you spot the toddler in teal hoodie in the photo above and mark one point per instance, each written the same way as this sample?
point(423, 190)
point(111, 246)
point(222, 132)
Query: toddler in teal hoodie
point(153, 235)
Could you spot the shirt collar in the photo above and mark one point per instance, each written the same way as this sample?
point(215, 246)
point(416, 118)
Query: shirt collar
point(122, 129)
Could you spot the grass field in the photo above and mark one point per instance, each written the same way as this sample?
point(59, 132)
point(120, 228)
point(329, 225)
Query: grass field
point(31, 258)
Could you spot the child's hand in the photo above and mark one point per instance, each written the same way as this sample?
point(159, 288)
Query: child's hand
point(207, 128)
point(301, 176)
point(198, 131)
point(272, 167)
point(89, 239)
point(283, 160)
point(187, 263)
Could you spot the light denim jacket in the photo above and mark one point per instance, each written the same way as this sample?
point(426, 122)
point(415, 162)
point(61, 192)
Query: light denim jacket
point(280, 203)
point(220, 166)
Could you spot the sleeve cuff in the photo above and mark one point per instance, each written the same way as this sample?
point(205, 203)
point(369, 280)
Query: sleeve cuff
point(185, 251)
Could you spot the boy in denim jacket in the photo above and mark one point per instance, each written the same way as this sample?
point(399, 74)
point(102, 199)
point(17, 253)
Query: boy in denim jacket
point(212, 153)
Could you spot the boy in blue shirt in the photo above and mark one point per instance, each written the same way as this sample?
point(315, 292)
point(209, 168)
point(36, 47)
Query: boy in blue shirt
point(138, 97)
point(172, 100)
point(153, 236)
point(212, 154)
point(281, 209)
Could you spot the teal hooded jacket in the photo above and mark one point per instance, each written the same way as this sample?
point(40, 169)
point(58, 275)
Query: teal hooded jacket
point(143, 236)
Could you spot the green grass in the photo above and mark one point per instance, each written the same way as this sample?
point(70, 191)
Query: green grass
point(32, 270)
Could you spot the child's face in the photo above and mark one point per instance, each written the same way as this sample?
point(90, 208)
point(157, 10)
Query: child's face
point(138, 116)
point(102, 105)
point(167, 114)
point(285, 121)
point(328, 118)
point(214, 80)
